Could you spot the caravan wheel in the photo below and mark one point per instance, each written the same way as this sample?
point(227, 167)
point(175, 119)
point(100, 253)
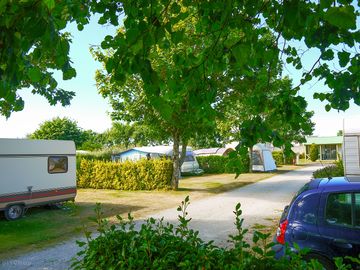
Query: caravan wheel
point(14, 212)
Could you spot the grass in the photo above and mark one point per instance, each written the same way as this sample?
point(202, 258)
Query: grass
point(41, 227)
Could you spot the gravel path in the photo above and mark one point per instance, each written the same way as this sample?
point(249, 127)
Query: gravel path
point(213, 217)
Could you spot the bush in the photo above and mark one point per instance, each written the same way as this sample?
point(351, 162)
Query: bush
point(279, 157)
point(220, 164)
point(330, 171)
point(314, 152)
point(98, 155)
point(129, 175)
point(164, 246)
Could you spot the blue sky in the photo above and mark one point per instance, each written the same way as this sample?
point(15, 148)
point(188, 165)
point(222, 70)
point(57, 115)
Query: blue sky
point(90, 110)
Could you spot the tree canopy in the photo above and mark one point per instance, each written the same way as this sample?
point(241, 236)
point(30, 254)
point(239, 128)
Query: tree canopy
point(179, 51)
point(60, 129)
point(33, 41)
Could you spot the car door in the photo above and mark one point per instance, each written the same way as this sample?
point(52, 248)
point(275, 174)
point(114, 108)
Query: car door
point(339, 223)
point(303, 228)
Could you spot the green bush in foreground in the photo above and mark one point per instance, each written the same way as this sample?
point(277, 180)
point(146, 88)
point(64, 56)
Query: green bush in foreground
point(129, 175)
point(156, 245)
point(330, 171)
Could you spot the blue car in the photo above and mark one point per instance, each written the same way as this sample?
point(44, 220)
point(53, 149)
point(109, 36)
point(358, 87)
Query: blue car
point(324, 217)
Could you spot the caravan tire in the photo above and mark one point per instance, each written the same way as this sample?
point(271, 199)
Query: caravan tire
point(14, 212)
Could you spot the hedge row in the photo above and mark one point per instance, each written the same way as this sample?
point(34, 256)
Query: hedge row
point(219, 164)
point(129, 175)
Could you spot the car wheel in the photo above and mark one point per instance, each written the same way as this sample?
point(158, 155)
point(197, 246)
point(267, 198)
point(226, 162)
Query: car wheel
point(14, 212)
point(325, 262)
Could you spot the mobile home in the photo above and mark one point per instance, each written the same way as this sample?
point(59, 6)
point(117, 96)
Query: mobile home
point(35, 172)
point(351, 155)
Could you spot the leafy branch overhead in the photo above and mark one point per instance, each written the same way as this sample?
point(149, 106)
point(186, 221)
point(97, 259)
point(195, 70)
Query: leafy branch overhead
point(33, 44)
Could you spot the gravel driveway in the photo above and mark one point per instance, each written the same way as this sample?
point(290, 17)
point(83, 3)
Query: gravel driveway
point(213, 217)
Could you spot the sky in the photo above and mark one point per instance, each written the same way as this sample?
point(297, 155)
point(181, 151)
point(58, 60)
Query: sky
point(91, 110)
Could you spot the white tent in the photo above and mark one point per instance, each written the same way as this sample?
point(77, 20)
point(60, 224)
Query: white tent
point(262, 158)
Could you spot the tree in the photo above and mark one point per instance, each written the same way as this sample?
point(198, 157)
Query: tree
point(255, 109)
point(180, 49)
point(59, 129)
point(339, 133)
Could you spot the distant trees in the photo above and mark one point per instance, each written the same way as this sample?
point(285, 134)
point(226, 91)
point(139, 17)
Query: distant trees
point(59, 129)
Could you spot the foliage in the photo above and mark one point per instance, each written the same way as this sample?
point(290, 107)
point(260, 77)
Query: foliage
point(219, 164)
point(141, 175)
point(133, 134)
point(59, 129)
point(160, 245)
point(33, 44)
point(179, 51)
point(330, 171)
point(279, 157)
point(314, 152)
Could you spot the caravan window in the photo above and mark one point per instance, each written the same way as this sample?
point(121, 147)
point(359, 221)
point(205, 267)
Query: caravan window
point(57, 164)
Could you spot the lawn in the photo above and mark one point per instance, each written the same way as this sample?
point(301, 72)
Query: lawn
point(41, 227)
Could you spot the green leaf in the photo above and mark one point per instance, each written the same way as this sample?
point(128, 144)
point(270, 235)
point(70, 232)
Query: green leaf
point(34, 74)
point(80, 27)
point(344, 58)
point(328, 107)
point(343, 17)
point(50, 4)
point(69, 73)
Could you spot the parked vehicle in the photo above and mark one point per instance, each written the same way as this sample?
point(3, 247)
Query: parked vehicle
point(324, 217)
point(35, 172)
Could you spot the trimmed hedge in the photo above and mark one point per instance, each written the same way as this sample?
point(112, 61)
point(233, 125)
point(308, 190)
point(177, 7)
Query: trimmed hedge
point(330, 171)
point(219, 164)
point(279, 158)
point(140, 175)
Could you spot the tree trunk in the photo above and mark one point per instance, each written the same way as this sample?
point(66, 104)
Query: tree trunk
point(250, 159)
point(183, 152)
point(176, 161)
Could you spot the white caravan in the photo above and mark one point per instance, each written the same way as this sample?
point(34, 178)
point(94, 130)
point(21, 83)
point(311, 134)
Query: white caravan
point(35, 172)
point(351, 154)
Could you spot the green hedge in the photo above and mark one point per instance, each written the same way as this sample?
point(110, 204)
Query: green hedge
point(219, 164)
point(330, 171)
point(140, 175)
point(279, 158)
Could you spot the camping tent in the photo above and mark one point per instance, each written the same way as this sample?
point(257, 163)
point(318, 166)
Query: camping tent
point(262, 158)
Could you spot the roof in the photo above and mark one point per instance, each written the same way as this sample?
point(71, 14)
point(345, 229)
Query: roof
point(36, 147)
point(160, 149)
point(213, 151)
point(340, 182)
point(324, 140)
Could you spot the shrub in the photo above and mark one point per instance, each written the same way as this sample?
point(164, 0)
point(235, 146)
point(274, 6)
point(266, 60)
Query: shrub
point(220, 164)
point(156, 245)
point(330, 171)
point(129, 175)
point(279, 157)
point(314, 152)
